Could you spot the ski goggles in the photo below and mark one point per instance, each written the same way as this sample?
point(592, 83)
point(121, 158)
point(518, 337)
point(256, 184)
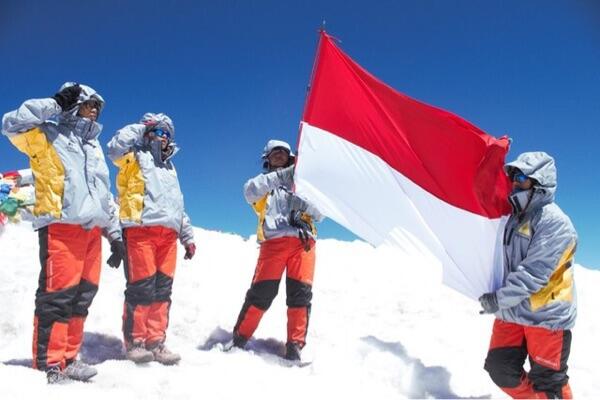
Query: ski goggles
point(162, 133)
point(519, 177)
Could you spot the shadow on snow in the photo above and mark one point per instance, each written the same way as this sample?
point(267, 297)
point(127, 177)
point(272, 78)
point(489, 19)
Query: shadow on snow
point(96, 349)
point(220, 337)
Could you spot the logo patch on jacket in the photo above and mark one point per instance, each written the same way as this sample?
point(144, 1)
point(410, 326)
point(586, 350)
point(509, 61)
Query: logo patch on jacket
point(525, 229)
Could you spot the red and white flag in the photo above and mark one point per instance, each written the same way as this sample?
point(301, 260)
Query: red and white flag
point(394, 170)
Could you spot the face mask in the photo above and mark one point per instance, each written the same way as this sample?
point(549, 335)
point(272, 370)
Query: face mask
point(519, 200)
point(155, 149)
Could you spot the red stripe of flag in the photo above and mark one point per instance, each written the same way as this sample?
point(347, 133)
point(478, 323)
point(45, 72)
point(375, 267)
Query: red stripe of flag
point(442, 153)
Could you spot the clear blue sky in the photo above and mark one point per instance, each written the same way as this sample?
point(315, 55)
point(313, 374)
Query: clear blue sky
point(233, 74)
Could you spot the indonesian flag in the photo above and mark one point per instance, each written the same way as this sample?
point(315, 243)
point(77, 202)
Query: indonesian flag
point(394, 170)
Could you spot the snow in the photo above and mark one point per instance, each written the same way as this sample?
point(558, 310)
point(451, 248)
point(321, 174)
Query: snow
point(382, 327)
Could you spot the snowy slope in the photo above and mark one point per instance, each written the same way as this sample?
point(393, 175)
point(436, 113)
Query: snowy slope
point(382, 327)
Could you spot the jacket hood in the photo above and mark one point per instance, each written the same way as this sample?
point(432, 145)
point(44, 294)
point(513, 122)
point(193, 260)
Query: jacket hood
point(87, 93)
point(541, 167)
point(536, 165)
point(273, 144)
point(83, 127)
point(160, 120)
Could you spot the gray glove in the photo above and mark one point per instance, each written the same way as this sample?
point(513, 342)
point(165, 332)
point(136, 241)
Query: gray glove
point(489, 303)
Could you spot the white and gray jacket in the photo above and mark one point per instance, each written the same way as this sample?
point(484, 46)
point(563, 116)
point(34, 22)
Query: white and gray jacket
point(72, 182)
point(539, 246)
point(148, 186)
point(271, 196)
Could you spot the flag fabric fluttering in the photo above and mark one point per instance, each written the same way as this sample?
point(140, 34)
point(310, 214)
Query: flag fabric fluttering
point(394, 170)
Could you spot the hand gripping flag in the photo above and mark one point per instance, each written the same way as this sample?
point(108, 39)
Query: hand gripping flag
point(394, 170)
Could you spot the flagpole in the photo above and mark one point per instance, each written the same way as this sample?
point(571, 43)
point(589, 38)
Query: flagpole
point(321, 33)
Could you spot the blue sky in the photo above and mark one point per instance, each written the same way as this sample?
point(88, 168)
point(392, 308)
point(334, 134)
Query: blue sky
point(233, 74)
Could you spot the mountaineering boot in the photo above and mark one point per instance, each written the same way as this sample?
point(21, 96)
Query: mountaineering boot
point(55, 376)
point(80, 371)
point(138, 353)
point(236, 341)
point(239, 341)
point(164, 355)
point(292, 351)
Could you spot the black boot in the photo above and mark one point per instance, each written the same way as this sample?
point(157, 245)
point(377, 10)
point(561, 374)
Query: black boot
point(292, 351)
point(239, 341)
point(236, 341)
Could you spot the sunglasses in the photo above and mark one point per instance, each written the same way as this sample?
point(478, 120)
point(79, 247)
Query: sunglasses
point(519, 177)
point(162, 133)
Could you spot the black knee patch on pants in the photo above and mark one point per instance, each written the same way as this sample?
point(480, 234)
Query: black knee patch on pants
point(505, 365)
point(261, 294)
point(164, 285)
point(299, 294)
point(55, 306)
point(141, 292)
point(83, 300)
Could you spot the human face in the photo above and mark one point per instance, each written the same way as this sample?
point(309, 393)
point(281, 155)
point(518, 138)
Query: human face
point(89, 109)
point(157, 136)
point(164, 141)
point(163, 135)
point(278, 158)
point(520, 181)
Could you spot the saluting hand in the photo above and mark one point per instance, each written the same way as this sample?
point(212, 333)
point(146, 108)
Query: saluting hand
point(68, 97)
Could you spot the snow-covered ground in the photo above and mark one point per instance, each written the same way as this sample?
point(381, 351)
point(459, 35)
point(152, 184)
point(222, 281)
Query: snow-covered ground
point(382, 327)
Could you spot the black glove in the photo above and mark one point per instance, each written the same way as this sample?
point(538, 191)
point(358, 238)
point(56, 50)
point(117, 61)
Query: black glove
point(68, 97)
point(117, 248)
point(489, 303)
point(297, 221)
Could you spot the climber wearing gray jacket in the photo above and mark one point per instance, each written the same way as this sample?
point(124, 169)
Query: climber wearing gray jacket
point(73, 208)
point(148, 187)
point(153, 218)
point(536, 306)
point(286, 234)
point(72, 182)
point(270, 194)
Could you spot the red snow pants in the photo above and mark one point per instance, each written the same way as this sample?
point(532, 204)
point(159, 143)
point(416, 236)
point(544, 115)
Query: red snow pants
point(548, 353)
point(277, 255)
point(149, 271)
point(70, 257)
